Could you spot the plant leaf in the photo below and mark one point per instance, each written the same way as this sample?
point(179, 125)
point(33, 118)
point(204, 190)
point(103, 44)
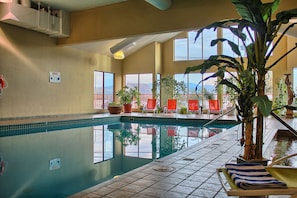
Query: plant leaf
point(249, 10)
point(285, 16)
point(234, 46)
point(264, 104)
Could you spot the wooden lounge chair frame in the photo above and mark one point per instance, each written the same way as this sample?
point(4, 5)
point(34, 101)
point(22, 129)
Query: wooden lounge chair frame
point(283, 173)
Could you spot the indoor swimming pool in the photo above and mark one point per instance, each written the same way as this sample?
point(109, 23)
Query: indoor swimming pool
point(58, 159)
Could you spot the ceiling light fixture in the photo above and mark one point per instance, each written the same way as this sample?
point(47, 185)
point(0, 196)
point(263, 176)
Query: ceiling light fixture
point(119, 55)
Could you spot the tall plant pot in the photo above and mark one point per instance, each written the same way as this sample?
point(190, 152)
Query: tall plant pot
point(127, 108)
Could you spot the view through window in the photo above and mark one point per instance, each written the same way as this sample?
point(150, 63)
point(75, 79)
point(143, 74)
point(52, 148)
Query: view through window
point(144, 82)
point(103, 89)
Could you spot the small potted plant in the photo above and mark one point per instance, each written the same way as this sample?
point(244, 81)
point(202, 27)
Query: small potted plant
point(114, 108)
point(126, 96)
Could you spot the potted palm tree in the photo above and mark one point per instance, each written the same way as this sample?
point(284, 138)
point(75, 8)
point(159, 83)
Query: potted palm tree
point(257, 23)
point(126, 96)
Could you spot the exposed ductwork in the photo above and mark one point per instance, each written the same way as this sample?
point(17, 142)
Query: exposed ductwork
point(118, 49)
point(160, 4)
point(55, 23)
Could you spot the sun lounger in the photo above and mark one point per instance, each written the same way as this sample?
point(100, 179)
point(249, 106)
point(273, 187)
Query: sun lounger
point(287, 176)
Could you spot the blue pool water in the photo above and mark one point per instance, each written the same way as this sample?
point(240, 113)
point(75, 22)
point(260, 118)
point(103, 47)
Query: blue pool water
point(58, 159)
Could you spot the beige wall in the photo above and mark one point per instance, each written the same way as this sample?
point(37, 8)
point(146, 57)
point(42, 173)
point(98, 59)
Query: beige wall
point(142, 61)
point(137, 17)
point(27, 57)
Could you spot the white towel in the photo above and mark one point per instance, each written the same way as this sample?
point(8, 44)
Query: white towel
point(253, 176)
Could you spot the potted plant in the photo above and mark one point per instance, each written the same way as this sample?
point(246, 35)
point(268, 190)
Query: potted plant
point(258, 24)
point(114, 108)
point(126, 96)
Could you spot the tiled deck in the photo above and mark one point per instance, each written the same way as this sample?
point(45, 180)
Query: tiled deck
point(187, 173)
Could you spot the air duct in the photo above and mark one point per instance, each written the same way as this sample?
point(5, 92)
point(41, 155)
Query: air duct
point(160, 4)
point(124, 44)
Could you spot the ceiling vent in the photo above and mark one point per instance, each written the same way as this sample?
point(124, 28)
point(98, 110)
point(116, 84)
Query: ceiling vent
point(55, 23)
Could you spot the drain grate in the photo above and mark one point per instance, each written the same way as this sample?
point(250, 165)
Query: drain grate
point(188, 159)
point(163, 168)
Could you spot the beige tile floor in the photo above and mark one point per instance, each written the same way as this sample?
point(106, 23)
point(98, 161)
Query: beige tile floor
point(188, 173)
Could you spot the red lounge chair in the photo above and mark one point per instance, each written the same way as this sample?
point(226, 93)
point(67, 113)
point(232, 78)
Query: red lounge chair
point(150, 105)
point(171, 106)
point(214, 107)
point(193, 106)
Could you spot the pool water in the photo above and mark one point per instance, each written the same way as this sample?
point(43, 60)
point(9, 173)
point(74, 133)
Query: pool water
point(62, 162)
point(284, 144)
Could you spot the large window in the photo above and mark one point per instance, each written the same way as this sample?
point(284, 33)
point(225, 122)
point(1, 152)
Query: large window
point(195, 90)
point(103, 89)
point(144, 83)
point(227, 34)
point(103, 144)
point(188, 49)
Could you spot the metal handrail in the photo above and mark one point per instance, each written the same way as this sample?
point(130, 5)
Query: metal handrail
point(293, 131)
point(213, 120)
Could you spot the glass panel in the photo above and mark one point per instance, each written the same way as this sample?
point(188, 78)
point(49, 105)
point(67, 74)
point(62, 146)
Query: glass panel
point(209, 89)
point(247, 42)
point(145, 87)
point(145, 145)
point(98, 144)
point(195, 47)
point(208, 36)
point(227, 102)
point(194, 79)
point(180, 49)
point(226, 49)
point(131, 80)
point(108, 88)
point(98, 90)
point(108, 144)
point(181, 102)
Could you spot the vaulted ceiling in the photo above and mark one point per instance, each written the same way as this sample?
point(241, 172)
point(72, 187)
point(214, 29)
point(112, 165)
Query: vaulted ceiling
point(103, 46)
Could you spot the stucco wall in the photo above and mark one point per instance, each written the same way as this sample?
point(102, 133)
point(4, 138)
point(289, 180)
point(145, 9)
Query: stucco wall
point(27, 57)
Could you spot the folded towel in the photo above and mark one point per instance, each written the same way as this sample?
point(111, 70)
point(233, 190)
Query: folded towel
point(252, 176)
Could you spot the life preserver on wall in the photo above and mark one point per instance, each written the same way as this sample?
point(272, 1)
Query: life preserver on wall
point(3, 84)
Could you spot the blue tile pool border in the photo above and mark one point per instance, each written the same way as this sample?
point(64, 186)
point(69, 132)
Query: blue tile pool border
point(47, 126)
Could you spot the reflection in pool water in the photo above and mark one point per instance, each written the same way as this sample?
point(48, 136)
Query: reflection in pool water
point(283, 144)
point(86, 155)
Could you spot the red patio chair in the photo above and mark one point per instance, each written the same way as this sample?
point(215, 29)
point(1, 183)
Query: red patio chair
point(214, 107)
point(193, 106)
point(171, 106)
point(150, 105)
